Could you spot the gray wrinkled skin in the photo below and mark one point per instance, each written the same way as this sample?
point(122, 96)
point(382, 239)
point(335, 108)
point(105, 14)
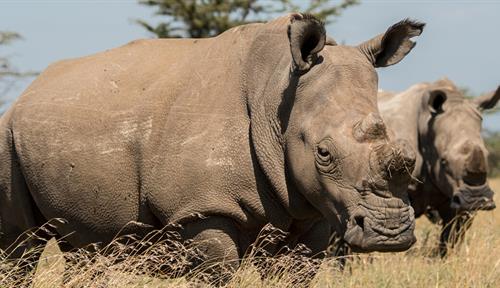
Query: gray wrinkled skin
point(262, 124)
point(451, 168)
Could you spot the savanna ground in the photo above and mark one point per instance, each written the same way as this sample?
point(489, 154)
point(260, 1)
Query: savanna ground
point(475, 264)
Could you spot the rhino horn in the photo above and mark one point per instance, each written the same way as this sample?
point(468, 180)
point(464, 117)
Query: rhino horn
point(476, 161)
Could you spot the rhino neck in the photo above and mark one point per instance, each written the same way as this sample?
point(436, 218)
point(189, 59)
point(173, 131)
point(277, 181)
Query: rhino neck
point(417, 130)
point(425, 138)
point(266, 80)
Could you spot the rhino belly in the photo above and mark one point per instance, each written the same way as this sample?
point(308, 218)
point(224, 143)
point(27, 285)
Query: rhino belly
point(83, 171)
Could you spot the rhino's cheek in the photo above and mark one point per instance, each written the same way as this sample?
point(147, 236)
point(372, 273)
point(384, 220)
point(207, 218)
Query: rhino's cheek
point(340, 199)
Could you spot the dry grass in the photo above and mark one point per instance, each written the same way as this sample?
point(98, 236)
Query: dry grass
point(475, 264)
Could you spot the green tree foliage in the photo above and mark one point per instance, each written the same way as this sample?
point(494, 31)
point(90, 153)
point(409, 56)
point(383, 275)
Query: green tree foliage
point(206, 18)
point(8, 73)
point(492, 141)
point(6, 37)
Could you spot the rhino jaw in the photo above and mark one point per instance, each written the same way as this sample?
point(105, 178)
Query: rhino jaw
point(381, 224)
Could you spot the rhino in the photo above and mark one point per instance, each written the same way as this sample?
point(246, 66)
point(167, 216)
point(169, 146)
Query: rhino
point(269, 123)
point(450, 175)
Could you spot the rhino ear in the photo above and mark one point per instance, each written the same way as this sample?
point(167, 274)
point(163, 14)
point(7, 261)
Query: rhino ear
point(488, 100)
point(436, 101)
point(392, 46)
point(307, 37)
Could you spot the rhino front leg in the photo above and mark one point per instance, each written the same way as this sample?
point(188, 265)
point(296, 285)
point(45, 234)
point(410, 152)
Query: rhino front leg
point(454, 227)
point(317, 238)
point(323, 241)
point(339, 250)
point(217, 240)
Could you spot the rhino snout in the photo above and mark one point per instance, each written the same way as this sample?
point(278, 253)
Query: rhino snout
point(470, 198)
point(381, 224)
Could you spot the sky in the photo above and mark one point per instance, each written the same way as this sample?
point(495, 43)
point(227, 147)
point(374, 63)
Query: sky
point(461, 40)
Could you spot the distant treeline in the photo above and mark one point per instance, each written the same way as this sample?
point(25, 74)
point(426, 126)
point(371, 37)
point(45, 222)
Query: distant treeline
point(492, 141)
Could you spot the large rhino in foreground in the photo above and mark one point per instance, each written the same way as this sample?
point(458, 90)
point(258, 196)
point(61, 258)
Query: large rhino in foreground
point(451, 167)
point(262, 124)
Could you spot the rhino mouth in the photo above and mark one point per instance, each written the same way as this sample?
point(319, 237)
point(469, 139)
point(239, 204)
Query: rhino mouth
point(380, 224)
point(471, 198)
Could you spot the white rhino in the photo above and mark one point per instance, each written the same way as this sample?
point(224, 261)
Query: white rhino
point(451, 168)
point(262, 124)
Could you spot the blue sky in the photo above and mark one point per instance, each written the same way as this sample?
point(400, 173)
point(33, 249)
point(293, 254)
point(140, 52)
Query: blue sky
point(461, 39)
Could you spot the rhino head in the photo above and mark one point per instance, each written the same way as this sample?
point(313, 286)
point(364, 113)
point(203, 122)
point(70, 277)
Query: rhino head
point(337, 154)
point(455, 153)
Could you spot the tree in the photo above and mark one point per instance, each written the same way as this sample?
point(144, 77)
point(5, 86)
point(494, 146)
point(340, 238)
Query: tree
point(8, 73)
point(206, 18)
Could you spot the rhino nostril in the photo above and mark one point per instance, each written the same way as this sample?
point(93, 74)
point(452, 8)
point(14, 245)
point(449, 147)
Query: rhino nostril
point(456, 200)
point(360, 221)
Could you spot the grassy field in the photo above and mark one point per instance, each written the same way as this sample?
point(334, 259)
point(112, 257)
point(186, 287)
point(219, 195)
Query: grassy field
point(475, 264)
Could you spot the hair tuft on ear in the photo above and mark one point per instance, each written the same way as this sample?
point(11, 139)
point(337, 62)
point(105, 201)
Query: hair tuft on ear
point(396, 43)
point(411, 27)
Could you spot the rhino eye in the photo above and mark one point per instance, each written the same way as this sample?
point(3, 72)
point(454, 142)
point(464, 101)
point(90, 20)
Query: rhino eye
point(325, 161)
point(323, 152)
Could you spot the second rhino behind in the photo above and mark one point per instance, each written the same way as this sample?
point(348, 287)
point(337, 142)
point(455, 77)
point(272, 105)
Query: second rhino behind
point(450, 173)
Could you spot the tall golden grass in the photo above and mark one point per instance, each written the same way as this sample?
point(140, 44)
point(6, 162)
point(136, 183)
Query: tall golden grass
point(476, 263)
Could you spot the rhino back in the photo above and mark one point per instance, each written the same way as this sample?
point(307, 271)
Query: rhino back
point(152, 131)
